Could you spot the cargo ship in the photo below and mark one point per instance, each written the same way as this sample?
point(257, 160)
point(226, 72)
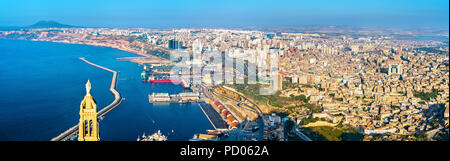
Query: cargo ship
point(162, 75)
point(170, 80)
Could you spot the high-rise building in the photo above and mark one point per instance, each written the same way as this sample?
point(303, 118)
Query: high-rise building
point(280, 82)
point(174, 44)
point(88, 125)
point(395, 69)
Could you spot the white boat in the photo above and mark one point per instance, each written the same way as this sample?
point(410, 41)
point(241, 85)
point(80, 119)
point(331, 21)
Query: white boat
point(153, 137)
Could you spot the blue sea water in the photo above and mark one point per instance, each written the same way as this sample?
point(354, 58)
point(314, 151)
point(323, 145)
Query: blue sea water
point(42, 85)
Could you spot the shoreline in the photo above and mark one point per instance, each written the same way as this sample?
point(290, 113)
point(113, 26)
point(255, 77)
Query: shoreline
point(182, 136)
point(140, 59)
point(140, 55)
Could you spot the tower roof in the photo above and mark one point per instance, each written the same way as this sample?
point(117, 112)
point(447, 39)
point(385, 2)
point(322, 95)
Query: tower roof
point(88, 102)
point(88, 88)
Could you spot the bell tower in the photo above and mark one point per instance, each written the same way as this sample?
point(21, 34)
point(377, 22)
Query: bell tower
point(88, 126)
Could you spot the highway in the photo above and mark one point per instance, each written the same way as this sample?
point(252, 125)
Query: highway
point(432, 133)
point(245, 98)
point(257, 110)
point(301, 116)
point(300, 134)
point(261, 121)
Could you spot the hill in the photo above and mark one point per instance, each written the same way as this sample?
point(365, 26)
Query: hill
point(50, 24)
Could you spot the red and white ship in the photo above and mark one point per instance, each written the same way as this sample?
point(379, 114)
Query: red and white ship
point(154, 76)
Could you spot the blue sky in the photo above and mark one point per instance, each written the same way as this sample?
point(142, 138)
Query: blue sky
point(227, 13)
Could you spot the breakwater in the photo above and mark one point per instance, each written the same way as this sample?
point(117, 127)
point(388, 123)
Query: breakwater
point(117, 100)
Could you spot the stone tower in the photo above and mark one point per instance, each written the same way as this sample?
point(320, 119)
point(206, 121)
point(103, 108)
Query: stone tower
point(88, 126)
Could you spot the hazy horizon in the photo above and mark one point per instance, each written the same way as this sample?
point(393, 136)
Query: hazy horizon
point(228, 14)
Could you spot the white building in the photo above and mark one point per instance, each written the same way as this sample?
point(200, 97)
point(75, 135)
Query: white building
point(446, 111)
point(382, 130)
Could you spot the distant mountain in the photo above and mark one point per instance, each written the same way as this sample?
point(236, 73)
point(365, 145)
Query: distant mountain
point(50, 24)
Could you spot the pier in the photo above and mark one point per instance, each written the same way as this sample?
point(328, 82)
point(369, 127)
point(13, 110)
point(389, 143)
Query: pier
point(117, 100)
point(175, 98)
point(213, 117)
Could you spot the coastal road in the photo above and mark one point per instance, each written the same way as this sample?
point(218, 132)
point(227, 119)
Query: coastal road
point(300, 134)
point(245, 99)
point(261, 120)
point(432, 133)
point(239, 104)
point(205, 91)
point(255, 109)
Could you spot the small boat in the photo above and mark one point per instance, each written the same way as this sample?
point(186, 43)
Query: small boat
point(153, 137)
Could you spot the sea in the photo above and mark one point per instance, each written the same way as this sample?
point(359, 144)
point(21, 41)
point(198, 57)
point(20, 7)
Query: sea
point(43, 83)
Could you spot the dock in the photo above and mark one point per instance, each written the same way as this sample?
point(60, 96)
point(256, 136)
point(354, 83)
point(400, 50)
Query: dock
point(116, 102)
point(213, 117)
point(175, 98)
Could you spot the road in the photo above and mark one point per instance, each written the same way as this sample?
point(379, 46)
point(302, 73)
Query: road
point(432, 133)
point(245, 99)
point(260, 118)
point(300, 134)
point(257, 111)
point(240, 104)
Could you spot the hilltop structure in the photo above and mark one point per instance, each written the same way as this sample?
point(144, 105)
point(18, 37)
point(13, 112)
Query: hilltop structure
point(88, 126)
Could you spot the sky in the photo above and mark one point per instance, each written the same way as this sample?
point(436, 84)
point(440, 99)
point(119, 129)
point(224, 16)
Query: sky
point(227, 13)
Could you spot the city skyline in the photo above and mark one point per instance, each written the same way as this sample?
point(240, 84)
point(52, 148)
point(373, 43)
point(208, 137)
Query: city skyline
point(224, 79)
point(197, 13)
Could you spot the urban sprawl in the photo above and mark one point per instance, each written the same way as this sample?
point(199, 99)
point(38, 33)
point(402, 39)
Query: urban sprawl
point(331, 84)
